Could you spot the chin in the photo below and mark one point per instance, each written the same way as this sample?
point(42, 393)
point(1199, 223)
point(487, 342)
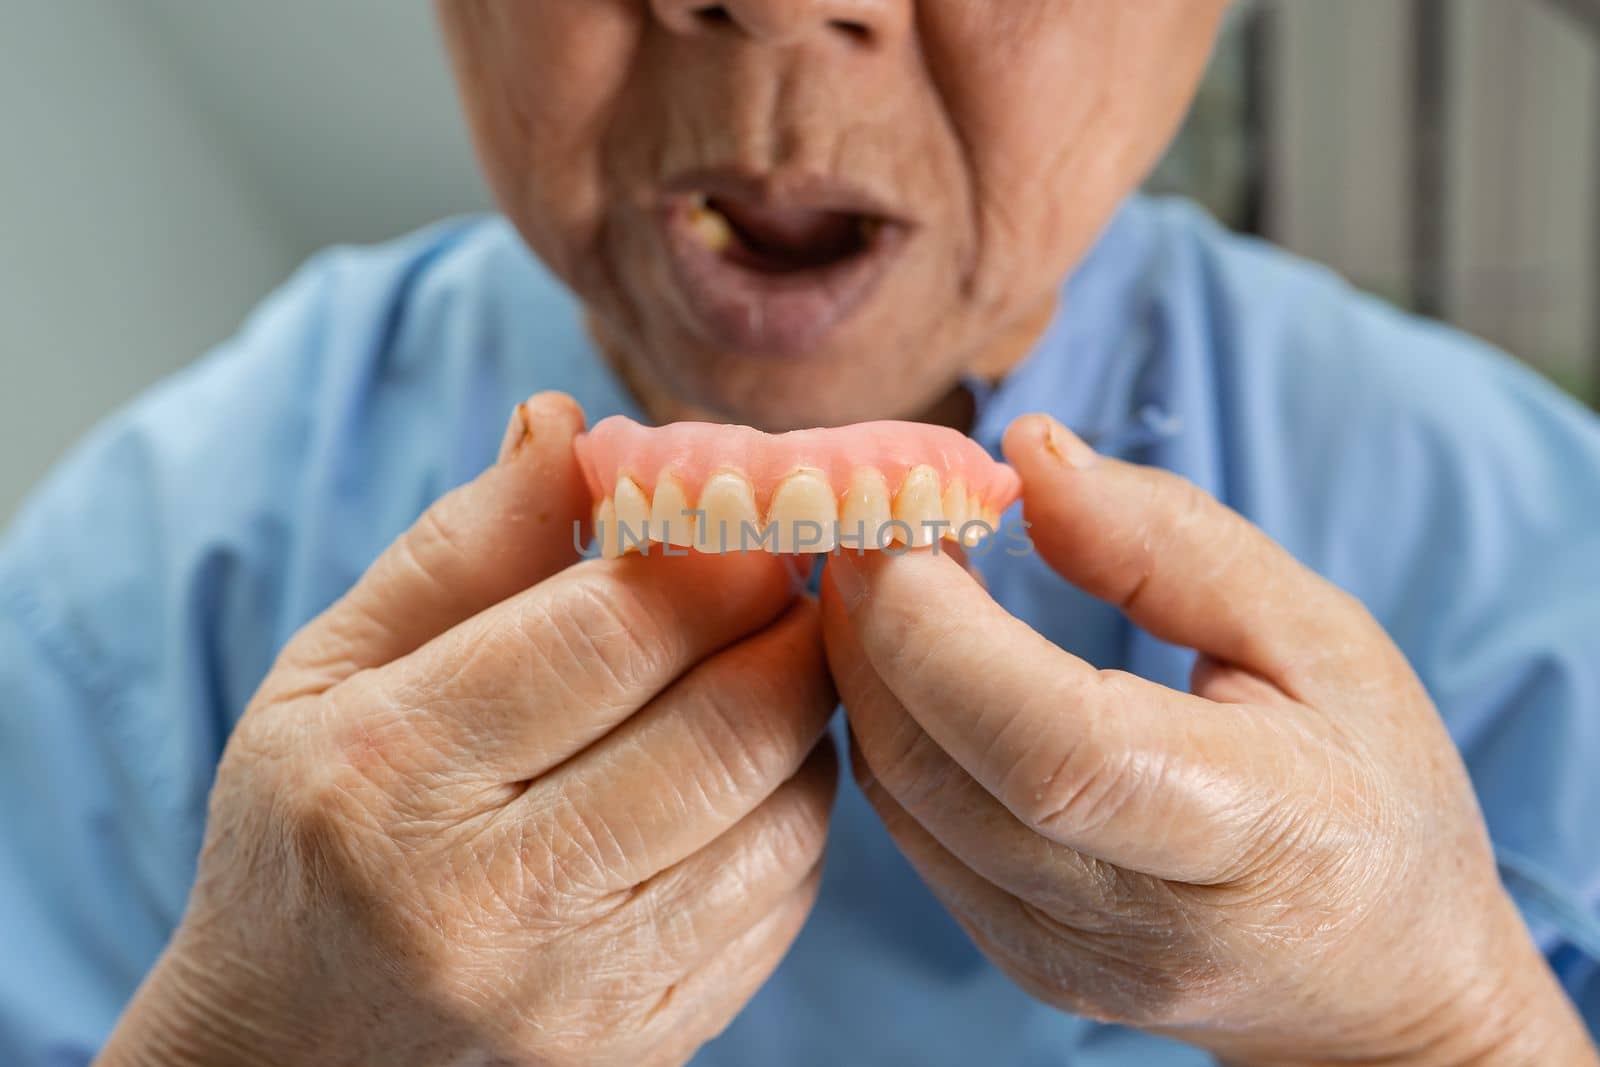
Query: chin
point(795, 394)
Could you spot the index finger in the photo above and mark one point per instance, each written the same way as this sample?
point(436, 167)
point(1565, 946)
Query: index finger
point(525, 685)
point(506, 530)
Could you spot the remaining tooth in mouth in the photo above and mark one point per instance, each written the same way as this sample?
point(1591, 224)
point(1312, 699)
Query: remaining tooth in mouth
point(773, 239)
point(805, 513)
point(710, 226)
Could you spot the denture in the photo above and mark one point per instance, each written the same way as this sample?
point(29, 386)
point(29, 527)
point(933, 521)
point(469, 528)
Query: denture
point(715, 488)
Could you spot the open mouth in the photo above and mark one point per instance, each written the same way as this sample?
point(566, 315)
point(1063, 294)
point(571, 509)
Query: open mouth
point(767, 274)
point(780, 241)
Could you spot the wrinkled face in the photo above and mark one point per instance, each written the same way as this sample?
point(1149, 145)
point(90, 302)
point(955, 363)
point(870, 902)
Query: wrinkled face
point(811, 212)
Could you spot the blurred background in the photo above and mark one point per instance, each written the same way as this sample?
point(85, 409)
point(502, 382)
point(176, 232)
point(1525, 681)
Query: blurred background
point(165, 163)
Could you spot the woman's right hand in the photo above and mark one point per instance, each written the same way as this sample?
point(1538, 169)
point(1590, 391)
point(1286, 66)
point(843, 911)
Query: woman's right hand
point(495, 808)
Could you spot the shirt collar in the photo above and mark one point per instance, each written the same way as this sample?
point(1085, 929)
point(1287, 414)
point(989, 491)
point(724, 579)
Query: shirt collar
point(1099, 368)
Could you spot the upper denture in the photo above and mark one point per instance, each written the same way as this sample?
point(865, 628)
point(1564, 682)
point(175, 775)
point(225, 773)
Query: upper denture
point(864, 475)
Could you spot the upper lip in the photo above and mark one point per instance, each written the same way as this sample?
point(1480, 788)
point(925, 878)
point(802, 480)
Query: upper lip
point(788, 189)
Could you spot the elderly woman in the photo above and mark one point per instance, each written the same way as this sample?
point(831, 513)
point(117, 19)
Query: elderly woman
point(1305, 776)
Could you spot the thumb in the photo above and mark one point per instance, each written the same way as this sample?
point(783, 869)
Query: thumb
point(500, 534)
point(1181, 565)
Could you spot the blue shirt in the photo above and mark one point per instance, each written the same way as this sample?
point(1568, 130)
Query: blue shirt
point(148, 583)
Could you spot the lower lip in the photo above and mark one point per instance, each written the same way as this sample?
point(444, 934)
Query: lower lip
point(780, 315)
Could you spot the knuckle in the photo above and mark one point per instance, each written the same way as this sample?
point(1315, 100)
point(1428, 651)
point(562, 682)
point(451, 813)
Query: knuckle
point(365, 738)
point(864, 771)
point(1170, 500)
point(735, 759)
point(1083, 794)
point(605, 632)
point(1359, 627)
point(1194, 513)
point(328, 825)
point(622, 995)
point(430, 541)
point(799, 833)
point(1190, 513)
point(1177, 511)
point(393, 752)
point(1081, 784)
point(909, 764)
point(323, 652)
point(1341, 633)
point(911, 637)
point(744, 735)
point(291, 812)
point(564, 856)
point(1033, 772)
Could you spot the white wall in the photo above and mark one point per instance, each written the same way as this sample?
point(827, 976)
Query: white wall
point(1526, 133)
point(1340, 193)
point(1525, 142)
point(165, 163)
point(343, 110)
point(128, 240)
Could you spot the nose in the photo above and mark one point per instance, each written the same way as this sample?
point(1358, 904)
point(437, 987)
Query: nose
point(785, 22)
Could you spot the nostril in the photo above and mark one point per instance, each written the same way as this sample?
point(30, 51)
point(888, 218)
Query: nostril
point(714, 15)
point(729, 16)
point(856, 30)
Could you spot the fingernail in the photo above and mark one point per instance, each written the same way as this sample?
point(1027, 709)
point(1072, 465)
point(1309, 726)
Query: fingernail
point(517, 433)
point(1068, 447)
point(848, 580)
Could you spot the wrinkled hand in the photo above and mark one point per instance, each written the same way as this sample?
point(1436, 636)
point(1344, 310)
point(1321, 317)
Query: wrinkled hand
point(1286, 865)
point(490, 809)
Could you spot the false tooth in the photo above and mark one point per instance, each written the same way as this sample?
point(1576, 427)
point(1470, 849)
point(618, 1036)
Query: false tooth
point(727, 503)
point(711, 227)
point(804, 497)
point(632, 515)
point(865, 512)
point(670, 522)
point(605, 529)
point(919, 504)
point(955, 507)
point(975, 515)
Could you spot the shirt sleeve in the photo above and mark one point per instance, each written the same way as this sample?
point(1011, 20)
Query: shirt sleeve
point(1471, 497)
point(1457, 494)
point(139, 606)
point(148, 583)
point(92, 865)
point(1510, 546)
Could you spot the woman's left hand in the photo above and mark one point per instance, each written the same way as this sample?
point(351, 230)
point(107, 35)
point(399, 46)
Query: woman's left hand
point(1287, 865)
